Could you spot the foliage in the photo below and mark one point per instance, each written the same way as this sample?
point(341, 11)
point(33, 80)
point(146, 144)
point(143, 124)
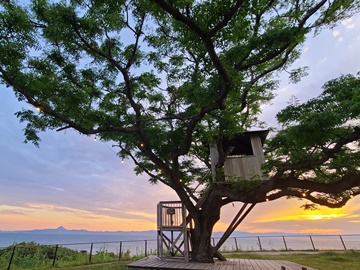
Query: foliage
point(244, 185)
point(30, 255)
point(328, 148)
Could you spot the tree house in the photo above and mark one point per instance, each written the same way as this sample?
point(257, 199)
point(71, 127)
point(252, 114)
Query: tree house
point(173, 232)
point(245, 155)
point(243, 161)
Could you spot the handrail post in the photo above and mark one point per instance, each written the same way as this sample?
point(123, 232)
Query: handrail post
point(11, 258)
point(145, 248)
point(259, 243)
point(285, 243)
point(342, 241)
point(55, 254)
point(120, 251)
point(312, 242)
point(91, 248)
point(236, 245)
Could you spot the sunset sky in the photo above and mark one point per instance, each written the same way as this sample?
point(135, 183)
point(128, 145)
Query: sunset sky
point(79, 183)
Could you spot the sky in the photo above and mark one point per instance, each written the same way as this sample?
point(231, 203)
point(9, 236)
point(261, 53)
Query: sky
point(76, 182)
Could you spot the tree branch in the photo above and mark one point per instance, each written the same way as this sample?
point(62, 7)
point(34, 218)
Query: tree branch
point(70, 123)
point(177, 15)
point(291, 186)
point(327, 154)
point(227, 17)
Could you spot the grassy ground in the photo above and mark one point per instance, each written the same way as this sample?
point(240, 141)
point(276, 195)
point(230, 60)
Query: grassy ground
point(103, 266)
point(322, 261)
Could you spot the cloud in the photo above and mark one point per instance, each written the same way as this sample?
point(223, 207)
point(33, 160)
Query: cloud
point(323, 60)
point(304, 217)
point(355, 221)
point(348, 23)
point(317, 217)
point(321, 231)
point(6, 210)
point(88, 174)
point(142, 214)
point(336, 33)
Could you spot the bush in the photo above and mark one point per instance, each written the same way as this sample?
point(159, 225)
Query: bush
point(30, 255)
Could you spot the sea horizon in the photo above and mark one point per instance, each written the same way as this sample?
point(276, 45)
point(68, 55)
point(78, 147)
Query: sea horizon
point(62, 230)
point(134, 240)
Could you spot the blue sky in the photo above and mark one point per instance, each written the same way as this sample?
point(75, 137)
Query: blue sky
point(73, 181)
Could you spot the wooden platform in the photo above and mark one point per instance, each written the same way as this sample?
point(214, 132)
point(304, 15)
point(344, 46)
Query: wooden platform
point(153, 262)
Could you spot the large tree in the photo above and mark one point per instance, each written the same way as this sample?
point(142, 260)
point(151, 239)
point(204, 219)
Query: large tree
point(165, 79)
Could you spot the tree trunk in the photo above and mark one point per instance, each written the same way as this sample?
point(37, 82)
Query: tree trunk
point(201, 246)
point(201, 249)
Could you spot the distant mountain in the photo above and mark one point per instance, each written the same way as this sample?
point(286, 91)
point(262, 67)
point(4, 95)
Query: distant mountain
point(150, 233)
point(59, 230)
point(62, 230)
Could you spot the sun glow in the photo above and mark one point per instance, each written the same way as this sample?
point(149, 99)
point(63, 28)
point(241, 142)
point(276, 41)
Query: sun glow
point(319, 216)
point(322, 216)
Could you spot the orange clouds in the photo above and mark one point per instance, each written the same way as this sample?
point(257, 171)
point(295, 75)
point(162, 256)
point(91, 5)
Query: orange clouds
point(286, 216)
point(50, 216)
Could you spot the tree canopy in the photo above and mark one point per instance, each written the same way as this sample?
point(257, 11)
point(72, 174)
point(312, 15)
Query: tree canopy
point(320, 143)
point(164, 80)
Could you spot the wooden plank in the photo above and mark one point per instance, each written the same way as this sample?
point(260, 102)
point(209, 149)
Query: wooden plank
point(236, 264)
point(288, 266)
point(294, 266)
point(248, 264)
point(271, 264)
point(232, 264)
point(257, 147)
point(258, 265)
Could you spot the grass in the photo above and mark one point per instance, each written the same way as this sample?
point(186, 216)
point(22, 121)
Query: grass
point(327, 260)
point(105, 266)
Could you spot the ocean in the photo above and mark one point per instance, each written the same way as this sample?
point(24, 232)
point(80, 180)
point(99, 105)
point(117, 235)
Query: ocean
point(138, 243)
point(132, 241)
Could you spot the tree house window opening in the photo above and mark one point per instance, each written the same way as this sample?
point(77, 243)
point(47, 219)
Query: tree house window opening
point(246, 157)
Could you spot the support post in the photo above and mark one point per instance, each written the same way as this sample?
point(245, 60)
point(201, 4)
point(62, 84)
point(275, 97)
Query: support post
point(342, 241)
point(234, 224)
point(285, 243)
point(120, 250)
point(11, 258)
point(55, 254)
point(145, 248)
point(259, 243)
point(312, 242)
point(91, 248)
